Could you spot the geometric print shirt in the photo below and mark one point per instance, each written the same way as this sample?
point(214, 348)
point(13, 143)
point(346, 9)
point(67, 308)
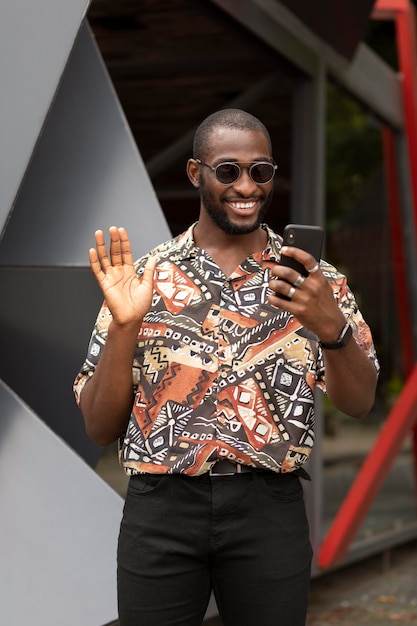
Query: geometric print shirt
point(218, 372)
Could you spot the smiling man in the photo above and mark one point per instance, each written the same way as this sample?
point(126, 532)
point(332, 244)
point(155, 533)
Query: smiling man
point(203, 363)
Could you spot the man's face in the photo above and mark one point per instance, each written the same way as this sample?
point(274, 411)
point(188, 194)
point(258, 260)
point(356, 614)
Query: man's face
point(240, 207)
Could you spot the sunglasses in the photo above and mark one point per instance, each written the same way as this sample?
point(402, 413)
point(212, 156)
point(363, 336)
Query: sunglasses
point(261, 172)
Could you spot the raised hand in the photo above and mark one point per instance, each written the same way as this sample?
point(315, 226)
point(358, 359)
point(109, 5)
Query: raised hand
point(127, 297)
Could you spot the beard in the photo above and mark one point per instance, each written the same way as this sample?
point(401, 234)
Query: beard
point(219, 216)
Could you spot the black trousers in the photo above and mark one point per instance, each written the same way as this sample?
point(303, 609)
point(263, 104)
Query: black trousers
point(243, 536)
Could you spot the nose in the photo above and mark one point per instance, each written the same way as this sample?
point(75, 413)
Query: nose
point(244, 184)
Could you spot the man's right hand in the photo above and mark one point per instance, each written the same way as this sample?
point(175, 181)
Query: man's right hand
point(127, 297)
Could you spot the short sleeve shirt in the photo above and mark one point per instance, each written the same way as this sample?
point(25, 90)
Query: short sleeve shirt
point(218, 372)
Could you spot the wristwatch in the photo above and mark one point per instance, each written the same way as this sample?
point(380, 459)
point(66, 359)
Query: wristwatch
point(342, 341)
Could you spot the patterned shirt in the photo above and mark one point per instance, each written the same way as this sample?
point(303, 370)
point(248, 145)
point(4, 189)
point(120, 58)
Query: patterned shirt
point(218, 372)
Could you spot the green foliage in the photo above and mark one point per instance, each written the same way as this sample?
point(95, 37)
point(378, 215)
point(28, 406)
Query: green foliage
point(353, 153)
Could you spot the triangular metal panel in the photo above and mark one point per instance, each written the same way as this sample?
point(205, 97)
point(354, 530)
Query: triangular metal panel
point(46, 316)
point(58, 528)
point(33, 53)
point(86, 173)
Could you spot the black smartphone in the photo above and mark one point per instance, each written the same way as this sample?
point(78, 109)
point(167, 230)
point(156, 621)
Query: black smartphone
point(304, 236)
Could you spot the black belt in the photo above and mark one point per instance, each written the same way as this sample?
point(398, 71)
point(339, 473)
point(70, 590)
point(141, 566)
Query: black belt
point(227, 468)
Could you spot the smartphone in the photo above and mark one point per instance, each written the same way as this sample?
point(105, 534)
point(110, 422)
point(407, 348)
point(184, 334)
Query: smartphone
point(305, 236)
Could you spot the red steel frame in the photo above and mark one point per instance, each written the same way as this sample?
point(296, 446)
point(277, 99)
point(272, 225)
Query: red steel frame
point(397, 252)
point(402, 421)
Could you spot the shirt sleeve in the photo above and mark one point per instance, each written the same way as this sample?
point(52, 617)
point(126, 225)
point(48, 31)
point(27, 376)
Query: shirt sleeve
point(98, 339)
point(349, 307)
point(95, 347)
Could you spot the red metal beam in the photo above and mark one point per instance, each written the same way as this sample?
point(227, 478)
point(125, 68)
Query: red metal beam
point(399, 424)
point(407, 53)
point(397, 250)
point(406, 37)
point(387, 9)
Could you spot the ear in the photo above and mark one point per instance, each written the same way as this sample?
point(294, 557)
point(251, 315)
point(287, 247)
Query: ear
point(193, 171)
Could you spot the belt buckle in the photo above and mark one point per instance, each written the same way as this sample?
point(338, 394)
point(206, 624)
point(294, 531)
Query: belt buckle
point(237, 469)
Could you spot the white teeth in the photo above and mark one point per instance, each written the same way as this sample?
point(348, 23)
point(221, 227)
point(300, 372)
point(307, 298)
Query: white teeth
point(243, 205)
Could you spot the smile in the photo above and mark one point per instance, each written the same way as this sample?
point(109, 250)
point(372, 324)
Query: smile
point(242, 205)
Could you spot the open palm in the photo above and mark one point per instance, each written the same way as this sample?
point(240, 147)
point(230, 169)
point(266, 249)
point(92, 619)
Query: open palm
point(127, 297)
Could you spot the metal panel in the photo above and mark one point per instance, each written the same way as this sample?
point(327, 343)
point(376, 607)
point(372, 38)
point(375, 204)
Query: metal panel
point(58, 528)
point(86, 173)
point(59, 522)
point(341, 24)
point(308, 150)
point(33, 54)
point(366, 77)
point(307, 207)
point(46, 317)
point(271, 26)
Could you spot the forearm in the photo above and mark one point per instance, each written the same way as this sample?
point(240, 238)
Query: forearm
point(351, 379)
point(107, 398)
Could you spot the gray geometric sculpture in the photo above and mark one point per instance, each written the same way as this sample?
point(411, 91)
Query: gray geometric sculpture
point(58, 527)
point(85, 173)
point(69, 167)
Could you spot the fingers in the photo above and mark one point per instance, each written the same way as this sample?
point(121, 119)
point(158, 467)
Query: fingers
point(287, 283)
point(291, 275)
point(149, 270)
point(115, 247)
point(101, 251)
point(98, 255)
point(120, 250)
point(305, 258)
point(125, 248)
point(284, 289)
point(314, 269)
point(94, 262)
point(285, 279)
point(299, 281)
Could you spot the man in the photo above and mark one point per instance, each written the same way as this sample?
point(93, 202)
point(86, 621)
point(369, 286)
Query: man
point(217, 419)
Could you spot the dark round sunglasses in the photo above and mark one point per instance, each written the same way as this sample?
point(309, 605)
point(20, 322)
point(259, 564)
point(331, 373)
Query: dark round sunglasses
point(261, 172)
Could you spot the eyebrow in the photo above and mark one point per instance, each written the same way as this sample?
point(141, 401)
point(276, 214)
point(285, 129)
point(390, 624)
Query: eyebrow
point(234, 160)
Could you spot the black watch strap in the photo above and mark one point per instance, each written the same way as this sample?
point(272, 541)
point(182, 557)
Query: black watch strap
point(342, 341)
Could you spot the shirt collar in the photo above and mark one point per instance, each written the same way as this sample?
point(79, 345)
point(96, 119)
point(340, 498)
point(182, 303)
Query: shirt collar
point(186, 246)
point(272, 250)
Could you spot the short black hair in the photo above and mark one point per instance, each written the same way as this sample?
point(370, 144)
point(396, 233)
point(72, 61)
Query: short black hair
point(225, 118)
